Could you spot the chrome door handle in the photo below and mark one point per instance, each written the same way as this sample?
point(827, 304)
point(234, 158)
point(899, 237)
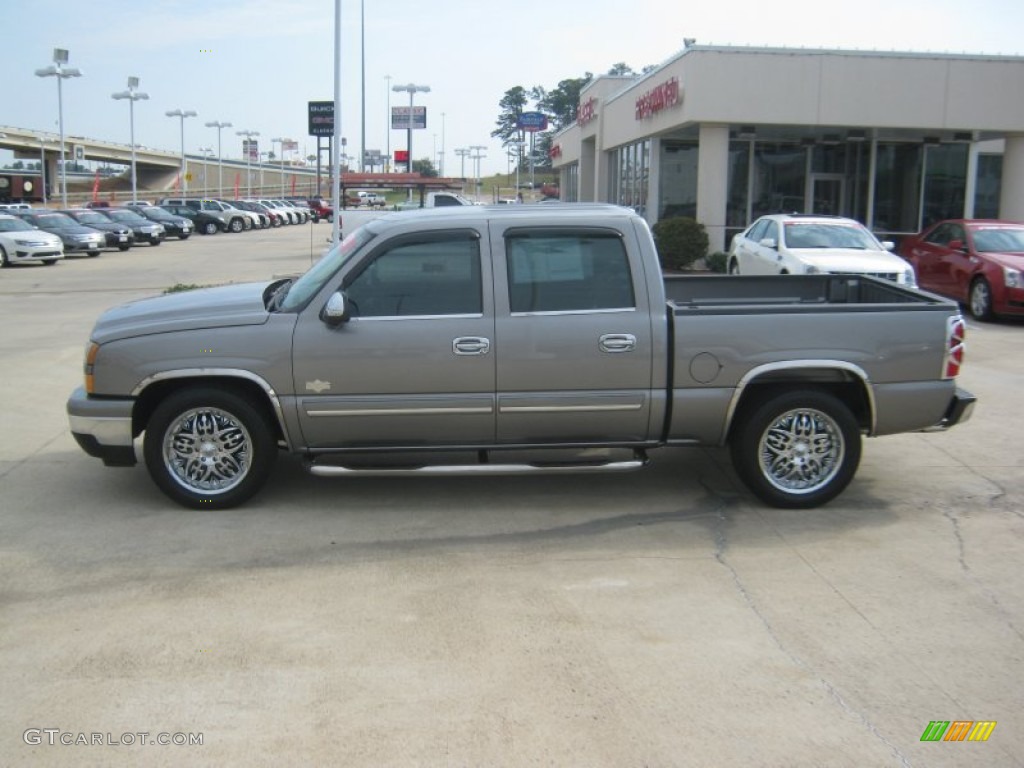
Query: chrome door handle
point(617, 342)
point(471, 345)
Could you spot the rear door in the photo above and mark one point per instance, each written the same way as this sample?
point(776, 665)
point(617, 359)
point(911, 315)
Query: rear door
point(574, 337)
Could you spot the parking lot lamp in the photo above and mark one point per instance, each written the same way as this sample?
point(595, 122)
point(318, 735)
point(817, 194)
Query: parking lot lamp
point(280, 159)
point(220, 158)
point(411, 89)
point(60, 71)
point(247, 144)
point(182, 113)
point(132, 95)
point(476, 156)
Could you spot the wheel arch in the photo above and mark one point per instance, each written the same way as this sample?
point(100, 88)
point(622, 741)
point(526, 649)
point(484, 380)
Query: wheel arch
point(844, 380)
point(153, 389)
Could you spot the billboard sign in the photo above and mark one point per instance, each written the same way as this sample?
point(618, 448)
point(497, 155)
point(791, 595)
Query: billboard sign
point(532, 121)
point(321, 118)
point(400, 118)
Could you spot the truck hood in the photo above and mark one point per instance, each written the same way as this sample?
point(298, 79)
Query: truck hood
point(846, 260)
point(228, 305)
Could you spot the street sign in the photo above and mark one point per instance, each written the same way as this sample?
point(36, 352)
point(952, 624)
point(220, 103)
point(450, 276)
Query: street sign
point(321, 118)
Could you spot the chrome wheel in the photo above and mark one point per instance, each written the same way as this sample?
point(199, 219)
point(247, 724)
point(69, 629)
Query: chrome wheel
point(981, 299)
point(207, 450)
point(801, 451)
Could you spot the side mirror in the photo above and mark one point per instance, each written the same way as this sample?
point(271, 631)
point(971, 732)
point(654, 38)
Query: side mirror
point(336, 310)
point(768, 242)
point(956, 245)
point(889, 245)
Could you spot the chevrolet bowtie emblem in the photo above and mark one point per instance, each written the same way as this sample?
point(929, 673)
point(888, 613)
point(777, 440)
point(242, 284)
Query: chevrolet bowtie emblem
point(318, 386)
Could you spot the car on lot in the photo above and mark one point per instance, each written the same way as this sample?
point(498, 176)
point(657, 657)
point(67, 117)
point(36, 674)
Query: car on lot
point(7, 207)
point(288, 214)
point(174, 226)
point(77, 238)
point(978, 262)
point(20, 241)
point(800, 244)
point(118, 235)
point(204, 222)
point(263, 216)
point(234, 220)
point(145, 231)
point(302, 214)
point(319, 209)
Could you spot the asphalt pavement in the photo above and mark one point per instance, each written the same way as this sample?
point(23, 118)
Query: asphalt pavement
point(660, 618)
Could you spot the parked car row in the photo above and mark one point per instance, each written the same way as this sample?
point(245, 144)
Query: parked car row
point(45, 235)
point(977, 262)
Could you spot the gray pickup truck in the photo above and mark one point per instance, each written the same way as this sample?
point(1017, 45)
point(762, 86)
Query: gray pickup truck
point(509, 339)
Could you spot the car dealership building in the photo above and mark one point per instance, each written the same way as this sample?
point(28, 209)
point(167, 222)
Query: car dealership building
point(726, 134)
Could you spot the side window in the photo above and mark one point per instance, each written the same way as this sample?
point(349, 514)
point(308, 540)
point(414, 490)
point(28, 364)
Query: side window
point(439, 275)
point(556, 272)
point(757, 231)
point(770, 231)
point(956, 232)
point(940, 235)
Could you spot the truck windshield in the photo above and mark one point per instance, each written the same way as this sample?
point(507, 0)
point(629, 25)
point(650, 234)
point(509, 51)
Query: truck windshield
point(303, 289)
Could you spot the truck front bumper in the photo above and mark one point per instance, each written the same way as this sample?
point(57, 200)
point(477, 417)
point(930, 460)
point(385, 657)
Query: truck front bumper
point(103, 427)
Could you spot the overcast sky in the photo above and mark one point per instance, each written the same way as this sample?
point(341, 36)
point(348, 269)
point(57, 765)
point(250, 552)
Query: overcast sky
point(256, 63)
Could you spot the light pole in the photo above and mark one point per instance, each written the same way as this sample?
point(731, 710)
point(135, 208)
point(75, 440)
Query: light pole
point(58, 70)
point(387, 125)
point(132, 95)
point(477, 156)
point(182, 114)
point(247, 143)
point(42, 163)
point(411, 89)
point(207, 153)
point(461, 153)
point(281, 159)
point(220, 158)
point(440, 170)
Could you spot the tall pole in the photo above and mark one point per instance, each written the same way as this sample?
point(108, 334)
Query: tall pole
point(42, 165)
point(477, 156)
point(336, 135)
point(247, 144)
point(220, 157)
point(182, 114)
point(387, 126)
point(58, 70)
point(362, 56)
point(132, 95)
point(280, 159)
point(440, 171)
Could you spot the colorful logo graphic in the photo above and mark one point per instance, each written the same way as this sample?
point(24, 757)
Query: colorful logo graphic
point(958, 730)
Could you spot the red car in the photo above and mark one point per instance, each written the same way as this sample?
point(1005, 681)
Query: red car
point(978, 262)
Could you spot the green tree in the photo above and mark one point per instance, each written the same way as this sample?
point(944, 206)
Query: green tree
point(507, 126)
point(560, 104)
point(424, 167)
point(622, 68)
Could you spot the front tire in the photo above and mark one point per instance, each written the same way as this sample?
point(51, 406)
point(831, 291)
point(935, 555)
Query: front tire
point(209, 448)
point(236, 225)
point(979, 301)
point(797, 449)
point(210, 228)
point(92, 254)
point(5, 260)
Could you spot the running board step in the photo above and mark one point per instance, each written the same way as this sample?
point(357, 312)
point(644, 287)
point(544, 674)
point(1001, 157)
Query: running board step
point(333, 470)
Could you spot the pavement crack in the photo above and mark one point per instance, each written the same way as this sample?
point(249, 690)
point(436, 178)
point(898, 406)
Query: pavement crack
point(721, 547)
point(19, 463)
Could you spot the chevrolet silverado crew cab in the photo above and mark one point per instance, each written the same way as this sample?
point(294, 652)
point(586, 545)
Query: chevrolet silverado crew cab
point(510, 339)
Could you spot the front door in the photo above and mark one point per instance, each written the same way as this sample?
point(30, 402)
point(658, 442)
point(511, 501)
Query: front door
point(574, 357)
point(415, 364)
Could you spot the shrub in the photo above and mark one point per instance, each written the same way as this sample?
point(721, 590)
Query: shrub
point(681, 241)
point(717, 261)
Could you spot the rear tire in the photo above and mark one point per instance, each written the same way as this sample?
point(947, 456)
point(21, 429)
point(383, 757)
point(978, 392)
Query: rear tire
point(209, 448)
point(797, 449)
point(210, 228)
point(734, 267)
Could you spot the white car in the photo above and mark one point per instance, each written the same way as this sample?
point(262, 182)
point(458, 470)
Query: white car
point(20, 241)
point(807, 244)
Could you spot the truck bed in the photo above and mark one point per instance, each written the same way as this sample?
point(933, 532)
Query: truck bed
point(791, 292)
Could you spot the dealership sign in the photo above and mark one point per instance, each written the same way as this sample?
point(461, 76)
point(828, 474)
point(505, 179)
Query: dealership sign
point(532, 121)
point(663, 96)
point(400, 118)
point(586, 111)
point(321, 118)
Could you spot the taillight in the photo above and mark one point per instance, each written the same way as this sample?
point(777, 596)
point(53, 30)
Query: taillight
point(956, 329)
